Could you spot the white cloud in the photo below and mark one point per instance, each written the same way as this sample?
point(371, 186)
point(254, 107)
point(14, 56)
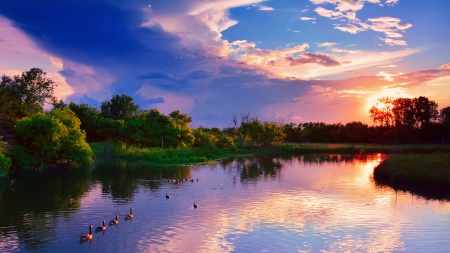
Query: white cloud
point(388, 66)
point(392, 42)
point(391, 2)
point(388, 76)
point(328, 13)
point(350, 28)
point(349, 5)
point(338, 50)
point(327, 44)
point(266, 8)
point(307, 18)
point(345, 10)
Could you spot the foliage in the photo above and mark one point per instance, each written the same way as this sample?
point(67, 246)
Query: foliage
point(381, 112)
point(52, 137)
point(109, 129)
point(120, 107)
point(417, 170)
point(444, 116)
point(414, 112)
point(25, 95)
point(88, 116)
point(5, 162)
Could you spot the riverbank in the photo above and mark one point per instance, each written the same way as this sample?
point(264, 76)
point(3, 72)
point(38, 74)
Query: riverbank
point(420, 173)
point(157, 156)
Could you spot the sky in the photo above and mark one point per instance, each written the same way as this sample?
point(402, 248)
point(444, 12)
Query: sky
point(285, 60)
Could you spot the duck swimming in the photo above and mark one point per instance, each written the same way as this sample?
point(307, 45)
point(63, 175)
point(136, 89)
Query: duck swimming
point(129, 216)
point(115, 222)
point(87, 237)
point(101, 228)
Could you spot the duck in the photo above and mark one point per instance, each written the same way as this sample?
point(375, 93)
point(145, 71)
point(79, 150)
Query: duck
point(115, 222)
point(101, 228)
point(192, 180)
point(167, 196)
point(87, 237)
point(195, 205)
point(129, 216)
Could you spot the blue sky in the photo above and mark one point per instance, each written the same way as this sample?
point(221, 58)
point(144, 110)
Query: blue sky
point(290, 61)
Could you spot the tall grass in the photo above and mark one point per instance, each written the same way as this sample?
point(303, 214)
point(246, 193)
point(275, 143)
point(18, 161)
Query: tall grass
point(169, 156)
point(356, 148)
point(191, 155)
point(424, 171)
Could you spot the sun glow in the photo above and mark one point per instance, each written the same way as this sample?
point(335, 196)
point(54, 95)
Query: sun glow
point(396, 92)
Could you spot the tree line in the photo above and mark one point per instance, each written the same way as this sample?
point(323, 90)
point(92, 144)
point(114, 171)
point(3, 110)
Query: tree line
point(60, 135)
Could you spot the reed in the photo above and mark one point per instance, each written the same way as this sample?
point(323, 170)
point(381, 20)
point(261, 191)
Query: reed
point(169, 156)
point(190, 155)
point(425, 171)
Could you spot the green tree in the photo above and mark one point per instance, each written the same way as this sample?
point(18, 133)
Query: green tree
point(5, 162)
point(184, 137)
point(88, 116)
point(53, 137)
point(120, 107)
point(25, 95)
point(110, 129)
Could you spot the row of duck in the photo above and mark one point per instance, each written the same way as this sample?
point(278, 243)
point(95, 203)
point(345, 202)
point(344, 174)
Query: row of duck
point(87, 237)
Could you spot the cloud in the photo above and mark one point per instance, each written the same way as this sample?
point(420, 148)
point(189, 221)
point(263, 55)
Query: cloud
point(174, 57)
point(345, 11)
point(307, 18)
point(445, 66)
point(327, 44)
point(315, 58)
point(389, 76)
point(388, 66)
point(350, 28)
point(328, 13)
point(265, 8)
point(392, 42)
point(338, 50)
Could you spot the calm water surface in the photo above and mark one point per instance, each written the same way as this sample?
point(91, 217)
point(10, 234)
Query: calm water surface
point(314, 203)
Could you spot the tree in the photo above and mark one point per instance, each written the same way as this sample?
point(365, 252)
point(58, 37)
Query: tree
point(110, 129)
point(88, 116)
point(119, 107)
point(381, 112)
point(52, 137)
point(25, 95)
point(415, 112)
point(425, 111)
point(235, 124)
point(5, 162)
point(444, 116)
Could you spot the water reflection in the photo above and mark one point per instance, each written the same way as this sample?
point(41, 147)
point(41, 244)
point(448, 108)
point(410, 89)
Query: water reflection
point(309, 203)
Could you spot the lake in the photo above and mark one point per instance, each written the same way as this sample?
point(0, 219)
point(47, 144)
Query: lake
point(310, 203)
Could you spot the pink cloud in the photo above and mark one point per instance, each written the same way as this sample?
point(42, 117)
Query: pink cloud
point(316, 58)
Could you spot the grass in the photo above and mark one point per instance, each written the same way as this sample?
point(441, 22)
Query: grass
point(157, 156)
point(356, 148)
point(416, 172)
point(190, 155)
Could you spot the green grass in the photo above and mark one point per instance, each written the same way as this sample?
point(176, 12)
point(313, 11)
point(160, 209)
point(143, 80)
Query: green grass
point(157, 156)
point(356, 148)
point(430, 172)
point(190, 155)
